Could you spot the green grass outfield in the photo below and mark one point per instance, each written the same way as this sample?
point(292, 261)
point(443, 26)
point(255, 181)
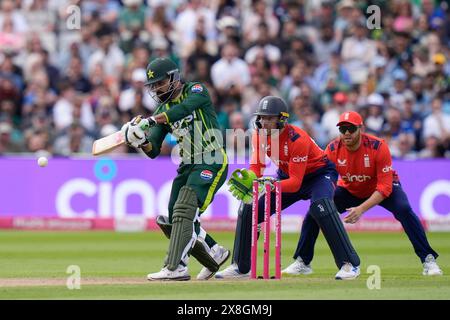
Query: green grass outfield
point(114, 266)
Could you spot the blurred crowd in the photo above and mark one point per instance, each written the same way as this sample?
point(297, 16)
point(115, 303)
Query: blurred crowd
point(72, 71)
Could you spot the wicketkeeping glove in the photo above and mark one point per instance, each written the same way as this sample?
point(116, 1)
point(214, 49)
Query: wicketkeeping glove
point(241, 184)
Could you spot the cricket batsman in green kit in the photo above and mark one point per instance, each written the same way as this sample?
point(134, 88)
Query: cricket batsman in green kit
point(185, 110)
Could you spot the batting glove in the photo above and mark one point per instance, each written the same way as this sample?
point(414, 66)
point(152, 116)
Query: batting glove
point(134, 131)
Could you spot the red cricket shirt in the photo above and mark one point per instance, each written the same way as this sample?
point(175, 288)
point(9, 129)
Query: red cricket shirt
point(297, 156)
point(365, 170)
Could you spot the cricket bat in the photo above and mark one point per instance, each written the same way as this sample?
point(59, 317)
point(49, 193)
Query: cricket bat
point(108, 143)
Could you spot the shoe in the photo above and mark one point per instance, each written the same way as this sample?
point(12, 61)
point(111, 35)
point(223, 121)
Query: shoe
point(298, 267)
point(430, 267)
point(348, 272)
point(232, 272)
point(220, 255)
point(180, 274)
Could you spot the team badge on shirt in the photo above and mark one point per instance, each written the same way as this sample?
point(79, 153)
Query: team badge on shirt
point(196, 88)
point(366, 161)
point(206, 175)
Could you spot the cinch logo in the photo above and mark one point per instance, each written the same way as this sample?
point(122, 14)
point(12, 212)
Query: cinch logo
point(358, 178)
point(298, 159)
point(386, 169)
point(206, 175)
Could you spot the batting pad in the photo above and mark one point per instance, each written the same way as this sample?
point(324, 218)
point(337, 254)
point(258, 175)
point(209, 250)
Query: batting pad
point(200, 251)
point(183, 236)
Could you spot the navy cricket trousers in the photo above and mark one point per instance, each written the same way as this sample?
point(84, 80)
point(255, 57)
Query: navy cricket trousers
point(315, 186)
point(397, 203)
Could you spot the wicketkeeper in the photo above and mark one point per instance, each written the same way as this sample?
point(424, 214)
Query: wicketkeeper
point(306, 174)
point(185, 110)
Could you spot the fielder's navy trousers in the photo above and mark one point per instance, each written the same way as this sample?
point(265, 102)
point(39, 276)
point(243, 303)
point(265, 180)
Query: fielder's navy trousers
point(397, 203)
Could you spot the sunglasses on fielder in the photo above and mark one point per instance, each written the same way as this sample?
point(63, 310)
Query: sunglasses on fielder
point(349, 128)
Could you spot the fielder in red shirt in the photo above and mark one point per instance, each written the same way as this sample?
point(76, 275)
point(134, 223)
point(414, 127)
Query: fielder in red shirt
point(367, 179)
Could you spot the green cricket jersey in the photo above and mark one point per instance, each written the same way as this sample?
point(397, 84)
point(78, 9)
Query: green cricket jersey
point(192, 120)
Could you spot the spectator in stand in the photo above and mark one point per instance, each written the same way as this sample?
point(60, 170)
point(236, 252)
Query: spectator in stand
point(332, 76)
point(107, 11)
point(136, 98)
point(73, 141)
point(421, 98)
point(432, 149)
point(65, 106)
point(347, 15)
point(263, 44)
point(230, 74)
point(437, 124)
point(358, 52)
point(229, 30)
point(38, 140)
point(383, 80)
point(375, 120)
point(9, 14)
point(74, 75)
point(326, 45)
point(109, 56)
point(422, 64)
point(107, 116)
point(7, 144)
point(395, 126)
point(259, 12)
point(139, 57)
point(41, 19)
point(132, 25)
point(412, 119)
point(403, 148)
point(234, 136)
point(404, 21)
point(331, 116)
point(199, 58)
point(186, 24)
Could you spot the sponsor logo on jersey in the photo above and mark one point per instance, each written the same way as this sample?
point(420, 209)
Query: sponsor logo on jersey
point(355, 178)
point(196, 88)
point(206, 175)
point(298, 159)
point(342, 163)
point(386, 169)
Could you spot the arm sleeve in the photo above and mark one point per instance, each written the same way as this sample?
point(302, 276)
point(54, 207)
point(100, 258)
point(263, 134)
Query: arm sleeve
point(384, 170)
point(329, 153)
point(197, 97)
point(257, 164)
point(156, 137)
point(297, 166)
